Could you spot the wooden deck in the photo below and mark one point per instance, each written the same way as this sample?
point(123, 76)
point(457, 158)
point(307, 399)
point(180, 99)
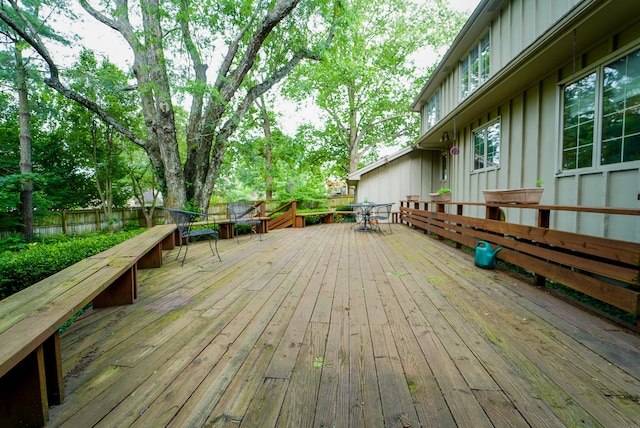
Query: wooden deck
point(328, 327)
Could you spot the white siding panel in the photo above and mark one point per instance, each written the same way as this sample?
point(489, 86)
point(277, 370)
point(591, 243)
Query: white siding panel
point(592, 194)
point(623, 190)
point(513, 134)
point(548, 131)
point(566, 194)
point(517, 27)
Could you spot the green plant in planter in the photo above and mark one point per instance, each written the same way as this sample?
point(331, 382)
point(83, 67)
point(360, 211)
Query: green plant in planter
point(443, 190)
point(539, 183)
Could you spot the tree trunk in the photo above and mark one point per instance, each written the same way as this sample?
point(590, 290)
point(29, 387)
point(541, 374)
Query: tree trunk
point(268, 161)
point(26, 167)
point(150, 69)
point(354, 149)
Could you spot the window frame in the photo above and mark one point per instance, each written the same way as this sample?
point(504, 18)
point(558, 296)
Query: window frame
point(475, 66)
point(596, 156)
point(484, 128)
point(444, 167)
point(435, 104)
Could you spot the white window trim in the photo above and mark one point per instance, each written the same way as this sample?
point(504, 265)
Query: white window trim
point(473, 148)
point(598, 68)
point(438, 110)
point(465, 57)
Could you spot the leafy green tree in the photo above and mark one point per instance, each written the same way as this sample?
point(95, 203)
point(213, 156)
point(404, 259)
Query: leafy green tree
point(143, 184)
point(100, 149)
point(367, 80)
point(19, 69)
point(171, 48)
point(265, 162)
point(66, 184)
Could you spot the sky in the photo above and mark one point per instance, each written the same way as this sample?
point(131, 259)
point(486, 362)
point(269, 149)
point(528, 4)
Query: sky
point(466, 5)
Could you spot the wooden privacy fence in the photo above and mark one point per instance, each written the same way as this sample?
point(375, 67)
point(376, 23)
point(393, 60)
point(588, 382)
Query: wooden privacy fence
point(71, 222)
point(603, 268)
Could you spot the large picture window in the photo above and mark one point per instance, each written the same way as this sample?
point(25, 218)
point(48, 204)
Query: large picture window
point(486, 147)
point(621, 110)
point(601, 116)
point(474, 69)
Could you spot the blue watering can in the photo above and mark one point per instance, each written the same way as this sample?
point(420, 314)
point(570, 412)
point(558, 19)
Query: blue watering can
point(485, 256)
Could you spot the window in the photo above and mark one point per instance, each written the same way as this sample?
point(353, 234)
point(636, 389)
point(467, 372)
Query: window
point(474, 69)
point(579, 117)
point(432, 112)
point(601, 116)
point(444, 167)
point(621, 111)
point(486, 147)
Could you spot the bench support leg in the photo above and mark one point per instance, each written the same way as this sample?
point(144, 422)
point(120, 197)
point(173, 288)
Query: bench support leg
point(153, 259)
point(122, 292)
point(169, 242)
point(226, 231)
point(23, 393)
point(53, 369)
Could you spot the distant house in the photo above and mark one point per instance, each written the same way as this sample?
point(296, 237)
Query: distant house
point(530, 90)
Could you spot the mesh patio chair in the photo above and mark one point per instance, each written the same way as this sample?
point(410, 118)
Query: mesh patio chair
point(362, 216)
point(185, 220)
point(381, 213)
point(244, 214)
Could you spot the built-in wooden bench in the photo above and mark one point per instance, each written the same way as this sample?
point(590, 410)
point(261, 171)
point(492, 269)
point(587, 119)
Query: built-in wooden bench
point(30, 362)
point(327, 216)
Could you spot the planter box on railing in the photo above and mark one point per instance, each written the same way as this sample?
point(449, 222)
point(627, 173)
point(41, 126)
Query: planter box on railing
point(440, 197)
point(528, 195)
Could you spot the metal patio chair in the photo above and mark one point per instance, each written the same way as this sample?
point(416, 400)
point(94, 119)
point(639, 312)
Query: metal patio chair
point(185, 220)
point(381, 213)
point(244, 214)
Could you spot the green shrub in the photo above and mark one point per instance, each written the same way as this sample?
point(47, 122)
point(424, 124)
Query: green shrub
point(347, 218)
point(19, 270)
point(131, 225)
point(313, 219)
point(13, 242)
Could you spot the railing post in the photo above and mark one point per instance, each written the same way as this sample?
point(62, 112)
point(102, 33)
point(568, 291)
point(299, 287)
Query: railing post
point(458, 212)
point(544, 216)
point(493, 213)
point(440, 208)
point(262, 209)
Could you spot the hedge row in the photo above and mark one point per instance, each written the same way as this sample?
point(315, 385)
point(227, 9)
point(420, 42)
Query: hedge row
point(19, 270)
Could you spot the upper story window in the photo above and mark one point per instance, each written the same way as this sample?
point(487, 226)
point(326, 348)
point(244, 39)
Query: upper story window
point(601, 116)
point(474, 69)
point(486, 146)
point(432, 111)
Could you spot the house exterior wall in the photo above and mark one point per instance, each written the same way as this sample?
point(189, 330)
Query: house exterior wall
point(517, 26)
point(538, 47)
point(392, 181)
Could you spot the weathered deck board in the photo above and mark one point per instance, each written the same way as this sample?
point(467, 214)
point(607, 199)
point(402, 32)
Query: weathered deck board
point(324, 326)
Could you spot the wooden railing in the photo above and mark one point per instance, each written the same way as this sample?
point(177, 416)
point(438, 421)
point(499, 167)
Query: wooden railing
point(285, 219)
point(605, 269)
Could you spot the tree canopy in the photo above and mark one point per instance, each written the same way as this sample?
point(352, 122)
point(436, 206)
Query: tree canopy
point(198, 67)
point(172, 43)
point(369, 77)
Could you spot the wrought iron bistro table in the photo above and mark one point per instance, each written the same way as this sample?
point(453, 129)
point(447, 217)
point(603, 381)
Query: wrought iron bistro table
point(364, 210)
